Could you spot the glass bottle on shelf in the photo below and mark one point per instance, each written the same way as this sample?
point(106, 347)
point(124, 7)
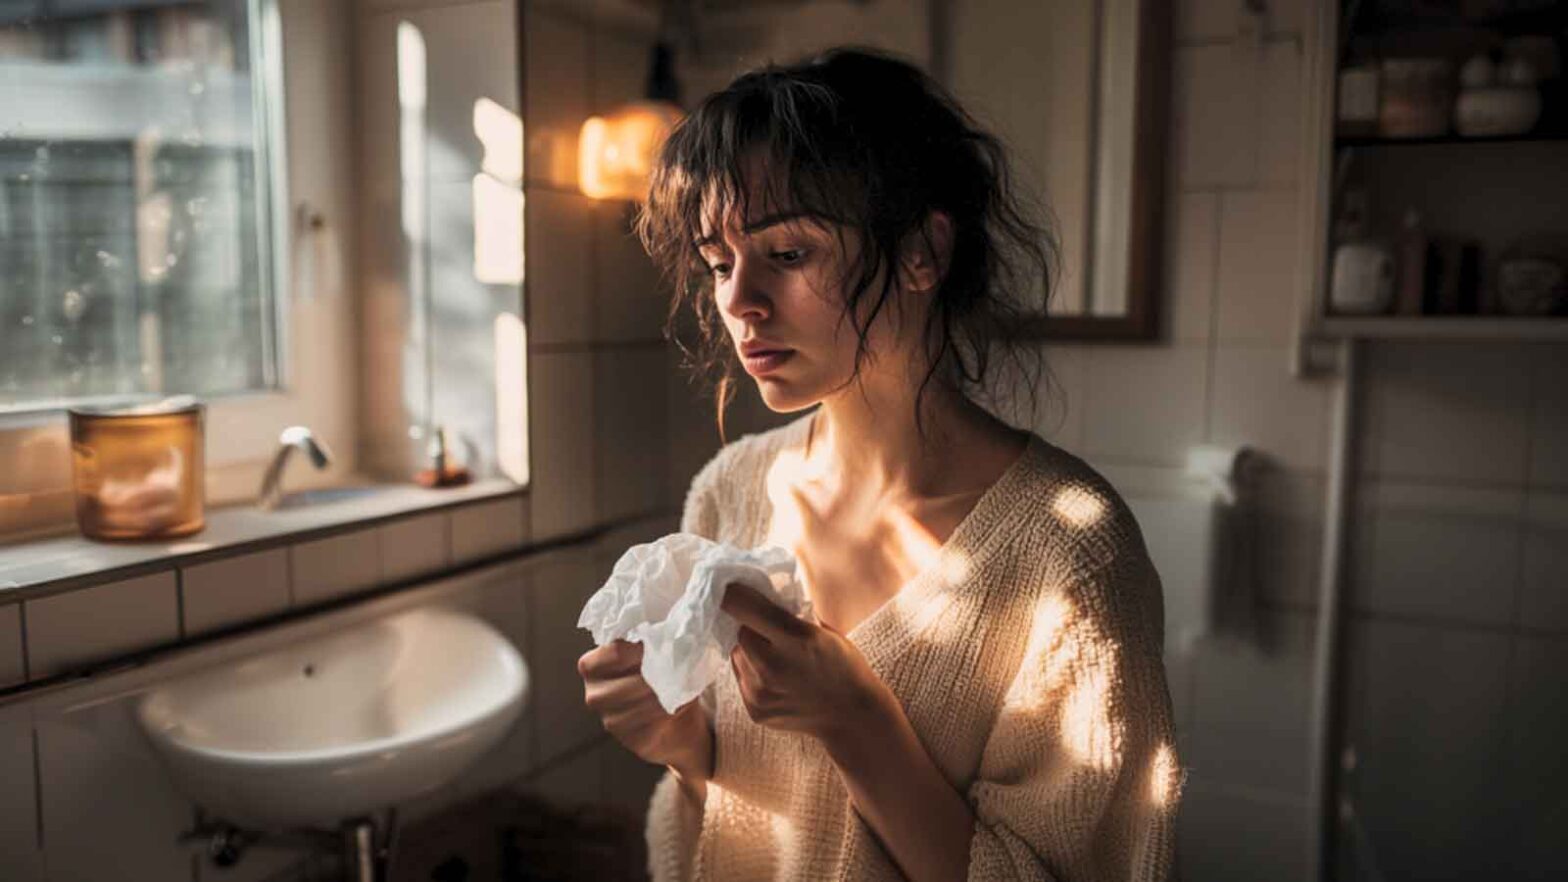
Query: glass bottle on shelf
point(1362, 280)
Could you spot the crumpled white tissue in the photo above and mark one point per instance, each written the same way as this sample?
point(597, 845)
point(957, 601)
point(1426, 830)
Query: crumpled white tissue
point(666, 595)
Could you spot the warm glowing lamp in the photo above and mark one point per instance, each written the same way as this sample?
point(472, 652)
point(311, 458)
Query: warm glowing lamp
point(615, 152)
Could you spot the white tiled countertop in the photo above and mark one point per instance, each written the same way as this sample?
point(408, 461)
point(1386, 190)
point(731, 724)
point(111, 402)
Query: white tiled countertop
point(45, 566)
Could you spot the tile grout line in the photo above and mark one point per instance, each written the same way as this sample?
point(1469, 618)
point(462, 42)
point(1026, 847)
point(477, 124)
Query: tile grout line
point(27, 662)
point(38, 787)
point(179, 601)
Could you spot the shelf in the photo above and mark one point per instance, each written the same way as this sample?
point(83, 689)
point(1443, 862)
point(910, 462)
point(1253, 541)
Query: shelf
point(1452, 328)
point(1380, 141)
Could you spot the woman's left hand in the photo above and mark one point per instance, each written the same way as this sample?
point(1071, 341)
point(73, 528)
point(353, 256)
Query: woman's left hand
point(802, 676)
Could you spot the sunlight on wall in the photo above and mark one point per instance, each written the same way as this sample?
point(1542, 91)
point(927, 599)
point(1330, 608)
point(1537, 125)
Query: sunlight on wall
point(414, 190)
point(498, 196)
point(511, 397)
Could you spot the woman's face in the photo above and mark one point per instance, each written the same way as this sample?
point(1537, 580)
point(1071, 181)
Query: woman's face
point(780, 281)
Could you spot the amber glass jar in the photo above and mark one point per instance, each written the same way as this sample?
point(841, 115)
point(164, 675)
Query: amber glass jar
point(138, 471)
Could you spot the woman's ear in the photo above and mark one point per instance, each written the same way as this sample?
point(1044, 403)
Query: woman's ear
point(927, 253)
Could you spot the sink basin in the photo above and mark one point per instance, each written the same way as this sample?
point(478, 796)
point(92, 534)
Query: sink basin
point(324, 495)
point(337, 727)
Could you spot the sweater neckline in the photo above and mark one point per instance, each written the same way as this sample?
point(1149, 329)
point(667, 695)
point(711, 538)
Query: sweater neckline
point(883, 634)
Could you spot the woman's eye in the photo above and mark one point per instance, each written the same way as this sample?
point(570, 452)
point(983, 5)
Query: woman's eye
point(719, 270)
point(790, 255)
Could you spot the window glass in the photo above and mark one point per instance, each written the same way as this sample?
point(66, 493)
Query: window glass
point(134, 209)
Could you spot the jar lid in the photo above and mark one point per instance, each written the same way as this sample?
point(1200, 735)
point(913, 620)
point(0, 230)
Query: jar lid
point(175, 404)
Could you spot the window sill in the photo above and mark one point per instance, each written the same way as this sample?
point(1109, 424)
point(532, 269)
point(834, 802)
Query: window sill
point(41, 567)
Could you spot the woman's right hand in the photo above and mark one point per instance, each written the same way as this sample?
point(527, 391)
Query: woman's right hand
point(614, 689)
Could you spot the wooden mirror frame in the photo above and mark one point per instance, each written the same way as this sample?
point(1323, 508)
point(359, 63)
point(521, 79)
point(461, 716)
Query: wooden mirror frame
point(1145, 224)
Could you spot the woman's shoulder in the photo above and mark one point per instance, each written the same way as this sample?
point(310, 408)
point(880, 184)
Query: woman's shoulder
point(1067, 505)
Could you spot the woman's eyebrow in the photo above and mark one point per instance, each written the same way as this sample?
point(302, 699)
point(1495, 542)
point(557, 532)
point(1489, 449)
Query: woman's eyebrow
point(764, 222)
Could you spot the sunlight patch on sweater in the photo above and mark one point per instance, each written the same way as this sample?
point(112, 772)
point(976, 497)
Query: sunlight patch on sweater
point(1078, 507)
point(1031, 689)
point(1165, 777)
point(1087, 729)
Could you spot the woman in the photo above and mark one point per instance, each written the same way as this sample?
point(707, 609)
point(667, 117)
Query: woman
point(979, 692)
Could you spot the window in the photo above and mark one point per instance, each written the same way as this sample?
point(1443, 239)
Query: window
point(153, 241)
point(135, 203)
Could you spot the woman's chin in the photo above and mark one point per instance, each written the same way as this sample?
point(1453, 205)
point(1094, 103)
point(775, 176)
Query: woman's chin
point(782, 397)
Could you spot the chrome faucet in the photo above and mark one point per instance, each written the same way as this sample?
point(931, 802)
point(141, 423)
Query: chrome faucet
point(293, 438)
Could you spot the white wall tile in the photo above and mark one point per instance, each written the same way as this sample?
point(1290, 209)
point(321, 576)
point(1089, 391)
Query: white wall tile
point(1425, 715)
point(1226, 836)
point(560, 587)
point(1455, 412)
point(693, 435)
point(556, 78)
point(1549, 416)
point(560, 296)
point(1221, 19)
point(110, 810)
point(1215, 116)
point(77, 628)
point(1059, 413)
point(1055, 407)
point(561, 498)
point(1437, 551)
point(233, 590)
point(487, 528)
point(619, 68)
point(415, 546)
point(335, 566)
point(1144, 404)
point(1252, 706)
point(13, 668)
point(630, 422)
point(629, 301)
point(1191, 254)
point(471, 54)
point(463, 313)
point(1280, 146)
point(1257, 402)
point(1535, 776)
point(1255, 293)
point(1543, 592)
point(20, 859)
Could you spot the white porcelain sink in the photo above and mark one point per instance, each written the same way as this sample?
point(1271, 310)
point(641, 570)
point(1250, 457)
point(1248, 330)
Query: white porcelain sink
point(336, 727)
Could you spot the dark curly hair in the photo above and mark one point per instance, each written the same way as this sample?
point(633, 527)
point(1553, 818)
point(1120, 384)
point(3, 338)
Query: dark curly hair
point(873, 144)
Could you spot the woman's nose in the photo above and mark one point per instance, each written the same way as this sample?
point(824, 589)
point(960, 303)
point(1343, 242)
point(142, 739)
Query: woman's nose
point(742, 295)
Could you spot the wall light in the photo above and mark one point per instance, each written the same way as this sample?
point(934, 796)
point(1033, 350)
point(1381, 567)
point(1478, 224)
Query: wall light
point(616, 151)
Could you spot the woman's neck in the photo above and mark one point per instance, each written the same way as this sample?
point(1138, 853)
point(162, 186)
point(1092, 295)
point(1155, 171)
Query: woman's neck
point(872, 437)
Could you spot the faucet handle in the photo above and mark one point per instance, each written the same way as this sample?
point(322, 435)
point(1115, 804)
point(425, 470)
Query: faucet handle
point(303, 438)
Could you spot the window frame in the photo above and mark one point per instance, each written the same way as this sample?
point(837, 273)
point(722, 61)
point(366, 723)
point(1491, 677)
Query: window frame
point(307, 88)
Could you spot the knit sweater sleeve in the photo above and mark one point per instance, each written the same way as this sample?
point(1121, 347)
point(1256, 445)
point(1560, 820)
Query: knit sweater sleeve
point(1078, 781)
point(674, 822)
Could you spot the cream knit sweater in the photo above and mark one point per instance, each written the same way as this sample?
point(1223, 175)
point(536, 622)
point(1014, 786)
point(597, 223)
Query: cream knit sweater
point(1028, 659)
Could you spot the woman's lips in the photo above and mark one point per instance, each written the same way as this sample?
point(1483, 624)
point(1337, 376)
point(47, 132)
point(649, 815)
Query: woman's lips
point(764, 361)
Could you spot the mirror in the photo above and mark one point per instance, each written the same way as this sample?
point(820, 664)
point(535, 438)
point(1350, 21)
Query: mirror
point(1077, 90)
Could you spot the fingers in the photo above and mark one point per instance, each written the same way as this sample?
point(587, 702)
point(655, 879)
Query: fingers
point(749, 682)
point(759, 614)
point(614, 659)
